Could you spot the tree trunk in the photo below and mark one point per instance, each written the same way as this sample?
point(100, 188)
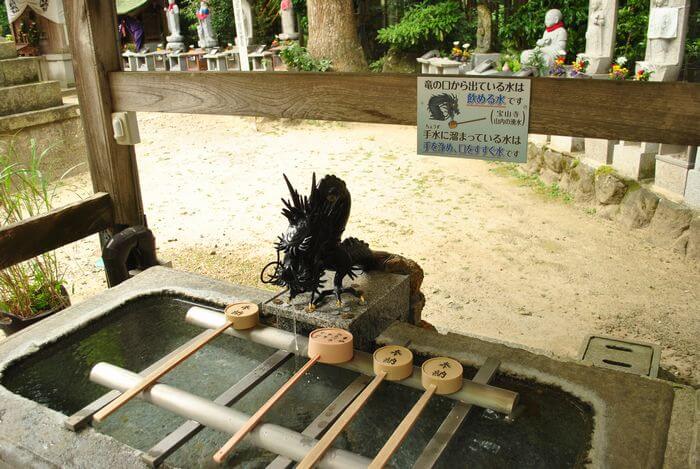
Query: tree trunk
point(333, 34)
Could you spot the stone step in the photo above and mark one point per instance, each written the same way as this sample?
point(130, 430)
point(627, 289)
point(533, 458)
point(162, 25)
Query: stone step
point(29, 97)
point(7, 50)
point(19, 70)
point(23, 120)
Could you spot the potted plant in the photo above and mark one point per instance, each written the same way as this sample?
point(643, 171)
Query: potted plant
point(34, 289)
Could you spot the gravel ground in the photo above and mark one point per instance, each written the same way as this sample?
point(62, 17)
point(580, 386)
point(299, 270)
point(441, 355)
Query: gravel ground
point(502, 260)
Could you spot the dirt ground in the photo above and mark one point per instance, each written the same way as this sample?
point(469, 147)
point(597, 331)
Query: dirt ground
point(502, 260)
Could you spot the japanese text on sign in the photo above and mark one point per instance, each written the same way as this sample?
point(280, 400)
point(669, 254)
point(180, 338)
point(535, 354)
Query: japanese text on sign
point(468, 117)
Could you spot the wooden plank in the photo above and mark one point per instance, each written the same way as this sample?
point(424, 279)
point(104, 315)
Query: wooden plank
point(92, 28)
point(42, 233)
point(619, 110)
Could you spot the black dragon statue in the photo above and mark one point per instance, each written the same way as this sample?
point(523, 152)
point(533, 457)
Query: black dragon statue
point(312, 244)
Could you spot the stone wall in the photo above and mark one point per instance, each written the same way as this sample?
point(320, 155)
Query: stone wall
point(665, 223)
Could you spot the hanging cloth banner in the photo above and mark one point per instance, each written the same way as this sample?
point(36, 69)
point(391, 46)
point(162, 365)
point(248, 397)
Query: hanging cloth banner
point(49, 9)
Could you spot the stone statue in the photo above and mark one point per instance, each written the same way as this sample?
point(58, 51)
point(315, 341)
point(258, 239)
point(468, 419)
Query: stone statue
point(668, 26)
point(288, 24)
point(247, 22)
point(600, 36)
point(483, 28)
point(175, 39)
point(553, 41)
point(204, 29)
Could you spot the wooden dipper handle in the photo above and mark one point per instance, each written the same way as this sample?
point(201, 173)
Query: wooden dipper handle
point(257, 416)
point(395, 440)
point(325, 442)
point(150, 379)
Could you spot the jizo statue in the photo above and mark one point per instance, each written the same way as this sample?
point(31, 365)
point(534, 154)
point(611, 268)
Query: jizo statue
point(172, 14)
point(553, 41)
point(204, 29)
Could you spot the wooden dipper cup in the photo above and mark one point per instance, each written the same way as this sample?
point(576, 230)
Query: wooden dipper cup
point(440, 375)
point(392, 363)
point(328, 345)
point(239, 315)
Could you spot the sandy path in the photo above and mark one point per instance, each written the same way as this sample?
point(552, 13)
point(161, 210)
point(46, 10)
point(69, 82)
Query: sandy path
point(501, 261)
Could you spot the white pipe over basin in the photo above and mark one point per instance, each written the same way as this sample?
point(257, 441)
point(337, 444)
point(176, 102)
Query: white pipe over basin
point(271, 437)
point(481, 395)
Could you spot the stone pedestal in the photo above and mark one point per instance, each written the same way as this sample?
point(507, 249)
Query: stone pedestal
point(635, 160)
point(479, 58)
point(598, 151)
point(673, 163)
point(59, 67)
point(538, 139)
point(145, 62)
point(565, 144)
point(386, 300)
point(178, 63)
point(217, 62)
point(692, 188)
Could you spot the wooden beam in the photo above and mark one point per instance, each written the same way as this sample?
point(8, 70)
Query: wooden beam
point(42, 233)
point(92, 27)
point(651, 111)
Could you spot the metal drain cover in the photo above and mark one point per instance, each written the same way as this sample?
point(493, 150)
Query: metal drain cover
point(623, 355)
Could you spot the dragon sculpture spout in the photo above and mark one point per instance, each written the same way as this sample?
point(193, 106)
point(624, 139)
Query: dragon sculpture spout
point(312, 244)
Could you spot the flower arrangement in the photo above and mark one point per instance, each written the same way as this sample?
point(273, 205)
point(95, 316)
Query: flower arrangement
point(460, 54)
point(642, 75)
point(558, 69)
point(618, 70)
point(579, 67)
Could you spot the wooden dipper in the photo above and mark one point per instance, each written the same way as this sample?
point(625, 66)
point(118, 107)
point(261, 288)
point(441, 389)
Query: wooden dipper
point(328, 345)
point(439, 375)
point(242, 316)
point(392, 363)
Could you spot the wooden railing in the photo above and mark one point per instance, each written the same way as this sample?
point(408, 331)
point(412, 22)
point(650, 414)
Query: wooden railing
point(43, 233)
point(619, 110)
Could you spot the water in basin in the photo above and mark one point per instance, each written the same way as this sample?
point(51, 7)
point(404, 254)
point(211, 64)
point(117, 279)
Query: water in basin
point(553, 429)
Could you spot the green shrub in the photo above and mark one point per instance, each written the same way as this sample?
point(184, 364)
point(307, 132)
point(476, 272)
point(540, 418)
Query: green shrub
point(424, 25)
point(297, 58)
point(378, 64)
point(34, 286)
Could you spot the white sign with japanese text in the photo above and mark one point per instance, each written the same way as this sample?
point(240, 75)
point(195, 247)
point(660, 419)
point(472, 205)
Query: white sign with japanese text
point(470, 117)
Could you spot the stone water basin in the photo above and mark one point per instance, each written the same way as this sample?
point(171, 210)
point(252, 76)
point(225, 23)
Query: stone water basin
point(44, 378)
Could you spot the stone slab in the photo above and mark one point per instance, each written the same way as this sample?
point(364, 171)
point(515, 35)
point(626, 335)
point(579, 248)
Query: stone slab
point(598, 151)
point(538, 139)
point(631, 161)
point(632, 413)
point(7, 50)
point(670, 176)
point(43, 116)
point(29, 97)
point(18, 71)
point(386, 300)
point(566, 144)
point(692, 188)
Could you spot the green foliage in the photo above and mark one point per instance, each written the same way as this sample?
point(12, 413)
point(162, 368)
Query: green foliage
point(525, 25)
point(33, 286)
point(4, 24)
point(512, 59)
point(424, 25)
point(297, 58)
point(632, 20)
point(377, 65)
point(538, 62)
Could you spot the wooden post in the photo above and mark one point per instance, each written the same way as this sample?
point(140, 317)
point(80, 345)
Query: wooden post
point(92, 29)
